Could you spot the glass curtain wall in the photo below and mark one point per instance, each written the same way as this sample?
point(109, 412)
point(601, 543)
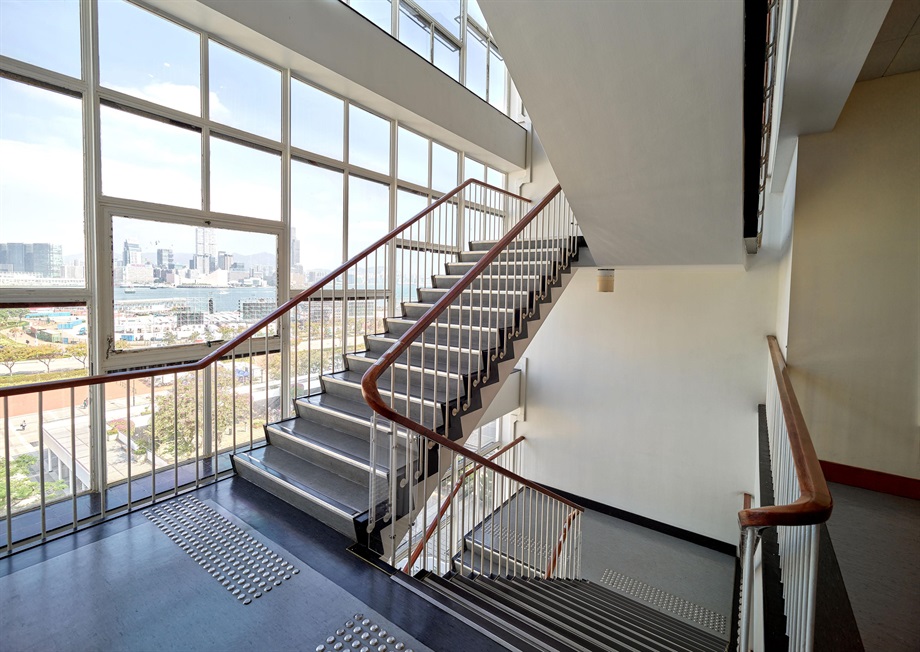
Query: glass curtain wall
point(451, 34)
point(165, 190)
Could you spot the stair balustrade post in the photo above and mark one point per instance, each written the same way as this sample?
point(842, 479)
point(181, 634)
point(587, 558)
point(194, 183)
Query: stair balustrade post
point(749, 544)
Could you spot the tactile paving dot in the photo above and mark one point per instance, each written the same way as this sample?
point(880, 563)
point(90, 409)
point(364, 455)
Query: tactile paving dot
point(216, 543)
point(352, 637)
point(665, 601)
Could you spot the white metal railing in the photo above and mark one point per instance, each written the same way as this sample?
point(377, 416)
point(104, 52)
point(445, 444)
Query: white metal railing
point(802, 503)
point(480, 520)
point(76, 451)
point(429, 380)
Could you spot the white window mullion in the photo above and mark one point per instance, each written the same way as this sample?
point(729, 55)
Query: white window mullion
point(284, 260)
point(204, 85)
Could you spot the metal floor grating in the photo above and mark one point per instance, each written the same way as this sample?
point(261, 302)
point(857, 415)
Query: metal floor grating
point(665, 601)
point(242, 565)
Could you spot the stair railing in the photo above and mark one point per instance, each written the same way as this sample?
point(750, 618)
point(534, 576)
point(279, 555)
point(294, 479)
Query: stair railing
point(803, 503)
point(446, 543)
point(454, 347)
point(120, 441)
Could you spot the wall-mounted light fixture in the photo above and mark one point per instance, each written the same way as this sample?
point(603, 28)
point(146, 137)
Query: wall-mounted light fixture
point(605, 280)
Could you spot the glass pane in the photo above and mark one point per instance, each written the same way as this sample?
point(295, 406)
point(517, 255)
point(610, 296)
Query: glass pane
point(446, 55)
point(473, 169)
point(44, 33)
point(476, 53)
point(408, 205)
point(368, 140)
point(495, 178)
point(317, 216)
point(414, 30)
point(443, 168)
point(474, 12)
point(244, 93)
point(368, 213)
point(150, 160)
point(41, 344)
point(179, 284)
point(245, 181)
point(377, 11)
point(149, 57)
point(317, 120)
point(412, 165)
point(41, 223)
point(446, 12)
point(497, 96)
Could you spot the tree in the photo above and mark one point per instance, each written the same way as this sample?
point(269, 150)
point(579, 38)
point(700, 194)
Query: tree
point(44, 353)
point(78, 351)
point(179, 418)
point(12, 316)
point(12, 354)
point(23, 488)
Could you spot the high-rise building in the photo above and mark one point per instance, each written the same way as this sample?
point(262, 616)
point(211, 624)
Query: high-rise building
point(165, 259)
point(131, 253)
point(224, 260)
point(39, 258)
point(205, 249)
point(295, 248)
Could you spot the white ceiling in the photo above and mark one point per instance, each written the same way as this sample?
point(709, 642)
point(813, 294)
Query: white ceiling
point(639, 108)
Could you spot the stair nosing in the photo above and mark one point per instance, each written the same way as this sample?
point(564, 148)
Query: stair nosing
point(312, 495)
point(415, 400)
point(334, 453)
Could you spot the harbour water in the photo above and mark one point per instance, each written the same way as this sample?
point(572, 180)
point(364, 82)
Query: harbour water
point(196, 298)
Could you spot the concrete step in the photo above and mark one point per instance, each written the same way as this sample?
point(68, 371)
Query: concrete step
point(340, 452)
point(463, 336)
point(491, 282)
point(454, 359)
point(325, 495)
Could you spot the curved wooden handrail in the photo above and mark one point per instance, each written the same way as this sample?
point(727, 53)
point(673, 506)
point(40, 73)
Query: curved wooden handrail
point(281, 310)
point(815, 503)
point(369, 380)
point(557, 549)
point(445, 505)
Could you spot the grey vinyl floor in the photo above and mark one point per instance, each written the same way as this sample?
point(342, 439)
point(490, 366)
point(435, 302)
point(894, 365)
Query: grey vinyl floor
point(687, 571)
point(126, 586)
point(877, 542)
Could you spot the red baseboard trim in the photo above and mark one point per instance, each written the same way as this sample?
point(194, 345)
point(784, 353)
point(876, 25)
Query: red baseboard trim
point(886, 483)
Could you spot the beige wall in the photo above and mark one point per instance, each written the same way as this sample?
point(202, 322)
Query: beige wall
point(646, 398)
point(854, 326)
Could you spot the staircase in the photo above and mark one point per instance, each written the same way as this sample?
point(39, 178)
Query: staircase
point(559, 614)
point(320, 460)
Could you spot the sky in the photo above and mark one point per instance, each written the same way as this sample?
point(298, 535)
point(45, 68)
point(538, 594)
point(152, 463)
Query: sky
point(143, 55)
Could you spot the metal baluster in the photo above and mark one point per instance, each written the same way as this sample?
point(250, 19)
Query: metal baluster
point(128, 435)
point(176, 434)
point(251, 395)
point(197, 414)
point(73, 456)
point(372, 485)
point(6, 479)
point(153, 441)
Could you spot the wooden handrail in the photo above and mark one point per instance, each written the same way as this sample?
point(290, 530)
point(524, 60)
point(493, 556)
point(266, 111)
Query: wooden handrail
point(815, 503)
point(281, 310)
point(369, 381)
point(446, 504)
point(557, 550)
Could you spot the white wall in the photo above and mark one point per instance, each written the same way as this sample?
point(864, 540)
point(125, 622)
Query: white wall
point(854, 330)
point(777, 245)
point(646, 399)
